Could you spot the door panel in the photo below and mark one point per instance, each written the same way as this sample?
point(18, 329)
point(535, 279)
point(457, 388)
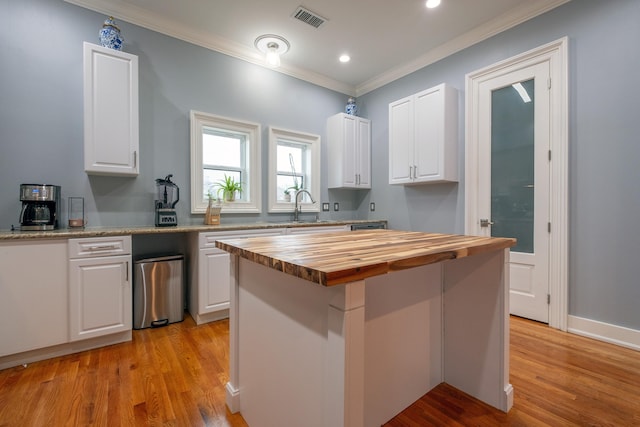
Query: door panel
point(514, 179)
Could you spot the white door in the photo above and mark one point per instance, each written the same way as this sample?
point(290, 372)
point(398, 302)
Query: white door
point(516, 173)
point(513, 174)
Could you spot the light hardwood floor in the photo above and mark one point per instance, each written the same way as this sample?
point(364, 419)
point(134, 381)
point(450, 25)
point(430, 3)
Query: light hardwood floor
point(175, 376)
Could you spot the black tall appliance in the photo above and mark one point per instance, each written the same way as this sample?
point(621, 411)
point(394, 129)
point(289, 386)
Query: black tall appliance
point(40, 206)
point(168, 195)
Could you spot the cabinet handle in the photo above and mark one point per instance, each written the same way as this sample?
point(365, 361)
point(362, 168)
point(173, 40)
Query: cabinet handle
point(126, 266)
point(135, 159)
point(410, 172)
point(415, 172)
point(102, 248)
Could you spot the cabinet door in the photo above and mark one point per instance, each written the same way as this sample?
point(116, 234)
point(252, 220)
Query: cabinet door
point(214, 280)
point(364, 154)
point(428, 146)
point(34, 307)
point(110, 111)
point(401, 141)
point(436, 135)
point(99, 296)
point(349, 151)
point(341, 151)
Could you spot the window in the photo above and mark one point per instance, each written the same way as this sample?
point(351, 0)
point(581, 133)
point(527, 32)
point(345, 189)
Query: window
point(294, 164)
point(221, 148)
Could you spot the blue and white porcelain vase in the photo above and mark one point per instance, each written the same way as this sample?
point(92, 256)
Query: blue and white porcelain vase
point(351, 107)
point(110, 35)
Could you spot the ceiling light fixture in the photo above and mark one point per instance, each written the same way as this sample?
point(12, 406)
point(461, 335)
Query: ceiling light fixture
point(433, 3)
point(344, 58)
point(272, 46)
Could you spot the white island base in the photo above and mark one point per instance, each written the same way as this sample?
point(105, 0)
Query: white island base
point(357, 354)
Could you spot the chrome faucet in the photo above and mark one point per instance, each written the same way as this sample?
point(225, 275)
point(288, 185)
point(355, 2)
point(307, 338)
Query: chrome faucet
point(296, 209)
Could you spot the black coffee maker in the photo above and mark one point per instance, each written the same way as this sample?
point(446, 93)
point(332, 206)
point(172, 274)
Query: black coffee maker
point(40, 206)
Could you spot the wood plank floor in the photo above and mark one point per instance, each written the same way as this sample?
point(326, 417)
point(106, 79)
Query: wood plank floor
point(175, 376)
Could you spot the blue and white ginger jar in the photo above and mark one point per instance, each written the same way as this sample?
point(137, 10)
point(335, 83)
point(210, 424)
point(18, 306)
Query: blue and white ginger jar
point(351, 107)
point(110, 35)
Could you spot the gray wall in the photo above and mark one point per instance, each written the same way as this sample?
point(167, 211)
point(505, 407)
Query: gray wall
point(604, 149)
point(41, 129)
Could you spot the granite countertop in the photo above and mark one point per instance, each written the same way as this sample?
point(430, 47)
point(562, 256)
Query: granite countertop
point(65, 233)
point(345, 256)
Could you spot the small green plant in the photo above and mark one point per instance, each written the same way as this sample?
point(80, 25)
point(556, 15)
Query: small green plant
point(228, 187)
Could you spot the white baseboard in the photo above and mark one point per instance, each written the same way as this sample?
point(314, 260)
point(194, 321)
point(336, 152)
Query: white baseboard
point(232, 398)
point(606, 332)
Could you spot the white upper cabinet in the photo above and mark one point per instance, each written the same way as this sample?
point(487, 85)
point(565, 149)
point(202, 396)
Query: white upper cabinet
point(423, 137)
point(110, 111)
point(349, 151)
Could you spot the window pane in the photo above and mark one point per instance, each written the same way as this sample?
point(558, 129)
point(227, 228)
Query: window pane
point(221, 149)
point(512, 166)
point(284, 182)
point(213, 176)
point(289, 153)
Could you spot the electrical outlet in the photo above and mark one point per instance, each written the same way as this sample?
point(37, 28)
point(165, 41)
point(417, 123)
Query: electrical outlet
point(372, 206)
point(336, 206)
point(325, 207)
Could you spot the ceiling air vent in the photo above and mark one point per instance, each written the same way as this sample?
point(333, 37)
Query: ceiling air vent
point(308, 17)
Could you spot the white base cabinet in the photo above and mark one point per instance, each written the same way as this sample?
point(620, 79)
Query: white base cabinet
point(349, 151)
point(210, 284)
point(100, 292)
point(62, 296)
point(33, 295)
point(423, 137)
point(111, 139)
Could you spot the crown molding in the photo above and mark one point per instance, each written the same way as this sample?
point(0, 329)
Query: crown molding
point(151, 21)
point(502, 23)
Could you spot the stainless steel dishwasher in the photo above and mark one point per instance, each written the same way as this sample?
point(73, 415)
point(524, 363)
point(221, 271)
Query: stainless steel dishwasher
point(158, 291)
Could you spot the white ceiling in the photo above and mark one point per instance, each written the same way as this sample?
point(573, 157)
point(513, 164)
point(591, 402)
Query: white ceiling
point(386, 39)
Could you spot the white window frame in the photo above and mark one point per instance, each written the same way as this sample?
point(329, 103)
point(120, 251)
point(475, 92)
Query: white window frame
point(253, 204)
point(314, 188)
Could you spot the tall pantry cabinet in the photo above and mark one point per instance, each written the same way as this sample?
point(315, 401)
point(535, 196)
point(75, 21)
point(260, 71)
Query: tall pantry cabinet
point(423, 137)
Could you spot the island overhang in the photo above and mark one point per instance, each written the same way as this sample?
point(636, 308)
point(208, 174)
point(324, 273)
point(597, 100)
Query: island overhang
point(341, 257)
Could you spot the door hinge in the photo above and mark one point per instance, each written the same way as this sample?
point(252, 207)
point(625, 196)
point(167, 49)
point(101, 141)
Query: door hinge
point(548, 298)
point(549, 227)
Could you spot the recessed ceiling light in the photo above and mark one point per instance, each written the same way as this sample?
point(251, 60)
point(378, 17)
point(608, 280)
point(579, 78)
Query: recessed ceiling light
point(344, 58)
point(433, 3)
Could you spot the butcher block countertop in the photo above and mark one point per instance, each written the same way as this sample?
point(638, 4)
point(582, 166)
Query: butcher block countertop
point(346, 256)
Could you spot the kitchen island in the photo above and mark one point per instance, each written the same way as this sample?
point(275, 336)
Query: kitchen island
point(350, 328)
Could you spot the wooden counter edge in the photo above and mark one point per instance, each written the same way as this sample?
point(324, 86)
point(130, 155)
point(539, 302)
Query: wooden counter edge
point(360, 272)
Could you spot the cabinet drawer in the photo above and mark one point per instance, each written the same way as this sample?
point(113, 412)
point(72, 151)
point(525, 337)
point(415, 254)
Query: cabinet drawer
point(99, 246)
point(208, 240)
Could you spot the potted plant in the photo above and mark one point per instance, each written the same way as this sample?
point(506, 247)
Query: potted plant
point(287, 192)
point(228, 187)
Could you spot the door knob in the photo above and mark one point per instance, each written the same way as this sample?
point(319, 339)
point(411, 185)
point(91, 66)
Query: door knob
point(485, 223)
